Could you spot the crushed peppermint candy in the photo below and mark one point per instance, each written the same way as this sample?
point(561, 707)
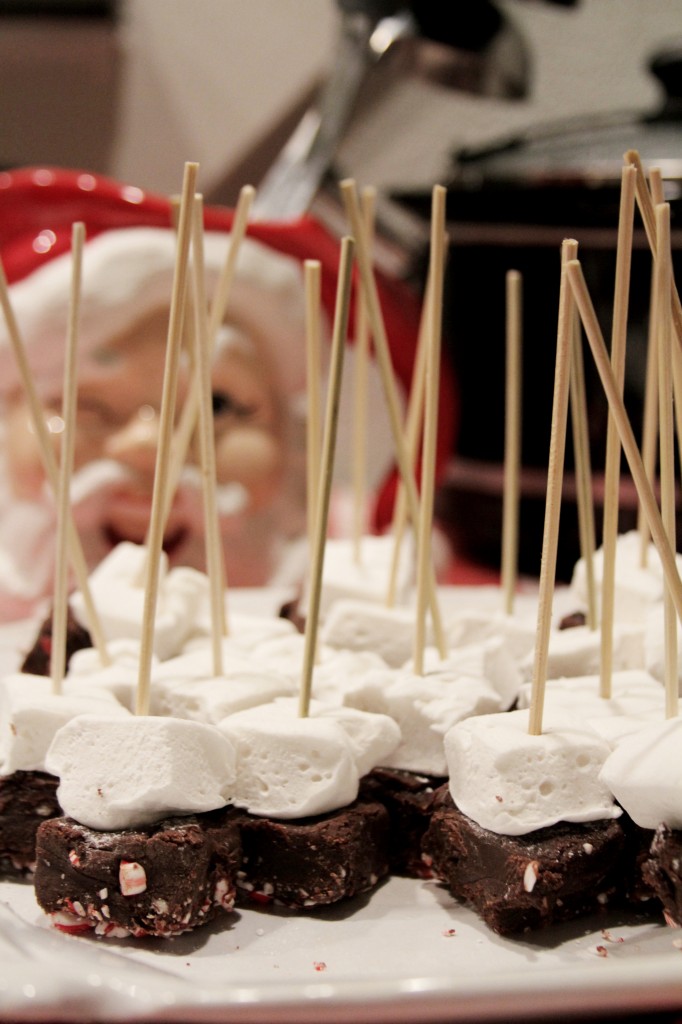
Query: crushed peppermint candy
point(319, 965)
point(69, 923)
point(132, 878)
point(530, 875)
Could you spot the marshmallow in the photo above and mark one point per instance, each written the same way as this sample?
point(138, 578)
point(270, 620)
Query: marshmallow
point(644, 773)
point(346, 578)
point(577, 651)
point(372, 737)
point(473, 626)
point(633, 693)
point(121, 681)
point(333, 671)
point(424, 707)
point(489, 660)
point(117, 586)
point(246, 632)
point(654, 644)
point(31, 714)
point(292, 767)
point(211, 700)
point(636, 587)
point(363, 626)
point(116, 775)
point(513, 783)
point(124, 652)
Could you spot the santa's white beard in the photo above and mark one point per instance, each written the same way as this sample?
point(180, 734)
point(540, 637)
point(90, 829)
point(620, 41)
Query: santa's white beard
point(252, 543)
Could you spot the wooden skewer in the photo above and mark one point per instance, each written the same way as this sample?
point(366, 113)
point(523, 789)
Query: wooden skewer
point(50, 467)
point(312, 277)
point(160, 492)
point(214, 549)
point(512, 439)
point(555, 472)
point(662, 318)
point(613, 451)
point(432, 387)
point(413, 427)
point(339, 333)
point(583, 469)
point(381, 347)
point(190, 410)
point(625, 432)
point(650, 418)
point(68, 437)
point(362, 340)
point(646, 208)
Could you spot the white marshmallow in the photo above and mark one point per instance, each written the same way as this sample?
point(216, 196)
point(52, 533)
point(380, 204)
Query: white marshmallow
point(644, 773)
point(117, 586)
point(372, 737)
point(121, 681)
point(614, 728)
point(345, 578)
point(335, 668)
point(424, 707)
point(284, 654)
point(246, 632)
point(122, 774)
point(31, 714)
point(633, 693)
point(212, 699)
point(654, 644)
point(635, 588)
point(489, 660)
point(290, 767)
point(475, 625)
point(513, 783)
point(124, 652)
point(577, 651)
point(197, 664)
point(363, 626)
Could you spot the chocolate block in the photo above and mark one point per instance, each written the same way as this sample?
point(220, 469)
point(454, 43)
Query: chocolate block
point(311, 862)
point(636, 888)
point(26, 800)
point(662, 871)
point(37, 661)
point(160, 880)
point(409, 799)
point(519, 883)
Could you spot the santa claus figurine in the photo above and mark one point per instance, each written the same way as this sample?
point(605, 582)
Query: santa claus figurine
point(259, 379)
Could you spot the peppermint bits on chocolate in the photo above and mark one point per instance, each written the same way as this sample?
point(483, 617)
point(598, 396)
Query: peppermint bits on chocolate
point(132, 878)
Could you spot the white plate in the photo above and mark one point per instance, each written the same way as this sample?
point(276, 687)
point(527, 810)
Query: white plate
point(407, 952)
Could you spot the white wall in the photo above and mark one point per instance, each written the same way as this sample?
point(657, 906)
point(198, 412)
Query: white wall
point(208, 80)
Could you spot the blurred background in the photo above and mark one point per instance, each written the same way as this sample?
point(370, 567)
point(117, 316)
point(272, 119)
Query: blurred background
point(522, 107)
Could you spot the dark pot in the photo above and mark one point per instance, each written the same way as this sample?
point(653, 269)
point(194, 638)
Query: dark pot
point(510, 206)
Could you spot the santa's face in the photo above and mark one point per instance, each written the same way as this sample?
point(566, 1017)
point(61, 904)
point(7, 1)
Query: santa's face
point(119, 395)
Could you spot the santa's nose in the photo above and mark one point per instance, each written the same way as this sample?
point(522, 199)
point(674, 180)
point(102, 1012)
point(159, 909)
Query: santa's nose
point(135, 443)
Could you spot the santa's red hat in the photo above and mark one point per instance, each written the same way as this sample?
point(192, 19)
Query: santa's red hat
point(38, 206)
